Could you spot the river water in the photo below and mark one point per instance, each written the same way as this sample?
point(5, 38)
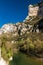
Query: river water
point(22, 59)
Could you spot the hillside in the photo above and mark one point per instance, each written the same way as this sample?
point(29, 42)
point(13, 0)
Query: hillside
point(26, 37)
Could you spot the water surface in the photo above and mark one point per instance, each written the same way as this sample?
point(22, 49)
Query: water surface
point(22, 59)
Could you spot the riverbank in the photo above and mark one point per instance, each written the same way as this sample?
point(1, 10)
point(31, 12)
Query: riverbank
point(2, 61)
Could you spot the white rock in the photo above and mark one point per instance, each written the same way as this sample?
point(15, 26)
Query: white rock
point(23, 30)
point(3, 62)
point(19, 27)
point(27, 18)
point(30, 5)
point(37, 30)
point(30, 26)
point(11, 58)
point(9, 28)
point(23, 20)
point(12, 41)
point(1, 31)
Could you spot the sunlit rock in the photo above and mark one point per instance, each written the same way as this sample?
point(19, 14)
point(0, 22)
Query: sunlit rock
point(9, 28)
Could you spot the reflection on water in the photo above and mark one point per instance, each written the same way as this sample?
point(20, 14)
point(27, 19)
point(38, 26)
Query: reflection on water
point(22, 59)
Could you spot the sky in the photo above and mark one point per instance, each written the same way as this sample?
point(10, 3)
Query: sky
point(13, 11)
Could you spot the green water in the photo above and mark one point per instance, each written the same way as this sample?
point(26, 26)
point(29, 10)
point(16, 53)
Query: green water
point(22, 59)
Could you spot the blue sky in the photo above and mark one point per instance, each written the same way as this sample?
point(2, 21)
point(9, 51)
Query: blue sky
point(12, 11)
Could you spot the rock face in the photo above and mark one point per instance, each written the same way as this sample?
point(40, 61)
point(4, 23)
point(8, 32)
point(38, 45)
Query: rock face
point(33, 10)
point(22, 27)
point(9, 28)
point(36, 10)
point(1, 31)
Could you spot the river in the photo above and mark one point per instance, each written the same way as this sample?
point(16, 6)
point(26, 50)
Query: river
point(22, 59)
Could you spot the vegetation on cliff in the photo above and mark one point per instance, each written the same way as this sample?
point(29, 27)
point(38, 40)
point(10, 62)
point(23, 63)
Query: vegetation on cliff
point(27, 40)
